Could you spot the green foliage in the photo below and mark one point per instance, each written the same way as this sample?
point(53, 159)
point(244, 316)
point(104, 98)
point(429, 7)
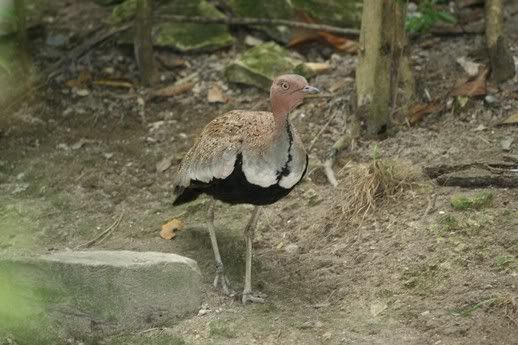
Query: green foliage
point(426, 16)
point(476, 201)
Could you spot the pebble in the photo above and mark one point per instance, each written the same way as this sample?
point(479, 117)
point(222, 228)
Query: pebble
point(292, 248)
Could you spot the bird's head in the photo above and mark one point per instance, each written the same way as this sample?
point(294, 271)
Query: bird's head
point(288, 91)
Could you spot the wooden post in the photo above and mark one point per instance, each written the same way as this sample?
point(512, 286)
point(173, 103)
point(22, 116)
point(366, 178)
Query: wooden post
point(383, 63)
point(500, 56)
point(143, 43)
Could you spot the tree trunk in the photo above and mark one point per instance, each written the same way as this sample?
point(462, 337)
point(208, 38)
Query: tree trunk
point(501, 59)
point(383, 64)
point(143, 43)
point(21, 36)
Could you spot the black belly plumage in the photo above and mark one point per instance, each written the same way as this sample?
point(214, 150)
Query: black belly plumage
point(235, 189)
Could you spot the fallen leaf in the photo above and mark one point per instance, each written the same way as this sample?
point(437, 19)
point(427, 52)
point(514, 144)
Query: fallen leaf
point(252, 41)
point(83, 78)
point(340, 43)
point(215, 94)
point(169, 228)
point(472, 87)
point(167, 234)
point(417, 112)
point(511, 120)
point(300, 36)
point(470, 67)
point(164, 164)
point(480, 128)
point(114, 83)
point(318, 67)
point(506, 143)
point(337, 85)
point(171, 63)
point(172, 90)
point(80, 144)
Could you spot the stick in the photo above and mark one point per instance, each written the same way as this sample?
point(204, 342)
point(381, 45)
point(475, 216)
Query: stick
point(431, 205)
point(313, 142)
point(103, 235)
point(259, 21)
point(499, 181)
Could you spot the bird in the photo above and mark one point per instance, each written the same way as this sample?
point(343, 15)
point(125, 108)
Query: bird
point(246, 157)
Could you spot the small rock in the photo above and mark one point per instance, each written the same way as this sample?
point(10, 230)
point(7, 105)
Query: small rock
point(108, 155)
point(506, 143)
point(377, 308)
point(490, 99)
point(252, 41)
point(292, 248)
point(82, 92)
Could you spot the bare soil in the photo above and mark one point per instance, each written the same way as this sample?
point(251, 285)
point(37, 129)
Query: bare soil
point(71, 165)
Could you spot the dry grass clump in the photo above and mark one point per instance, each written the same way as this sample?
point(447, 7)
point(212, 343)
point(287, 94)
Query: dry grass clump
point(366, 184)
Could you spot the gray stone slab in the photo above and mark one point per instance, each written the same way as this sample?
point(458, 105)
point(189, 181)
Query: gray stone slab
point(91, 294)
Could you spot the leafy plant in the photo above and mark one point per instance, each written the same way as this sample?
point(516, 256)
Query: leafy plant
point(426, 16)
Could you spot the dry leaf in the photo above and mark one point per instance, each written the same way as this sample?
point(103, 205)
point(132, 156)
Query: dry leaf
point(172, 90)
point(417, 112)
point(215, 94)
point(340, 43)
point(511, 120)
point(83, 78)
point(171, 63)
point(169, 228)
point(303, 36)
point(114, 83)
point(337, 85)
point(318, 67)
point(167, 234)
point(164, 164)
point(474, 86)
point(470, 67)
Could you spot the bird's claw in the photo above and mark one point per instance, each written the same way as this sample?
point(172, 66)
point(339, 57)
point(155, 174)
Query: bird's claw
point(221, 281)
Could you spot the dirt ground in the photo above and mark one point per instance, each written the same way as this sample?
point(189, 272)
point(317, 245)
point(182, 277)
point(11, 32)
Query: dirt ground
point(71, 165)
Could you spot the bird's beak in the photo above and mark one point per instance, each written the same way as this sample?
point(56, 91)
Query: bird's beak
point(310, 89)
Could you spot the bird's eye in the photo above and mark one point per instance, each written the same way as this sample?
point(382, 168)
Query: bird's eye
point(285, 85)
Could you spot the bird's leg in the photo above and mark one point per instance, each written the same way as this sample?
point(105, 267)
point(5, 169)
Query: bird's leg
point(220, 279)
point(249, 236)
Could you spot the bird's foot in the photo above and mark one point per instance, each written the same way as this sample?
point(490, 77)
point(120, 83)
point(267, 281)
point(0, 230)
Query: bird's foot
point(250, 297)
point(221, 281)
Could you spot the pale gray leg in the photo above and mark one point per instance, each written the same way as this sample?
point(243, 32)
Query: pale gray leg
point(220, 279)
point(249, 237)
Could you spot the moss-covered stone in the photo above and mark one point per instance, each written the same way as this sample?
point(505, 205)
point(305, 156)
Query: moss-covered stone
point(259, 65)
point(476, 201)
point(344, 13)
point(280, 9)
point(185, 37)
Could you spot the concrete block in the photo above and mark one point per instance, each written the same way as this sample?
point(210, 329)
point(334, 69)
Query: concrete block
point(92, 294)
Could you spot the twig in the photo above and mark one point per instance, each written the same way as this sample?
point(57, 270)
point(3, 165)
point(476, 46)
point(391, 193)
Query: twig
point(338, 146)
point(313, 142)
point(103, 235)
point(431, 205)
point(259, 21)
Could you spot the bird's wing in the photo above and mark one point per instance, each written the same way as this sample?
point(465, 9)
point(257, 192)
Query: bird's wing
point(214, 155)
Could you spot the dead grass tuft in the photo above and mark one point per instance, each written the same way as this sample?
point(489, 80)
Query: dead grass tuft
point(365, 185)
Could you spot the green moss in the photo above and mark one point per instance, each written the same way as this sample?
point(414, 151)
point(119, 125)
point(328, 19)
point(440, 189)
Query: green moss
point(503, 262)
point(223, 329)
point(476, 201)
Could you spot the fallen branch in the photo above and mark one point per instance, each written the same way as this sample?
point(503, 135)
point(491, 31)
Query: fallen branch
point(442, 169)
point(259, 21)
point(479, 181)
point(102, 236)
